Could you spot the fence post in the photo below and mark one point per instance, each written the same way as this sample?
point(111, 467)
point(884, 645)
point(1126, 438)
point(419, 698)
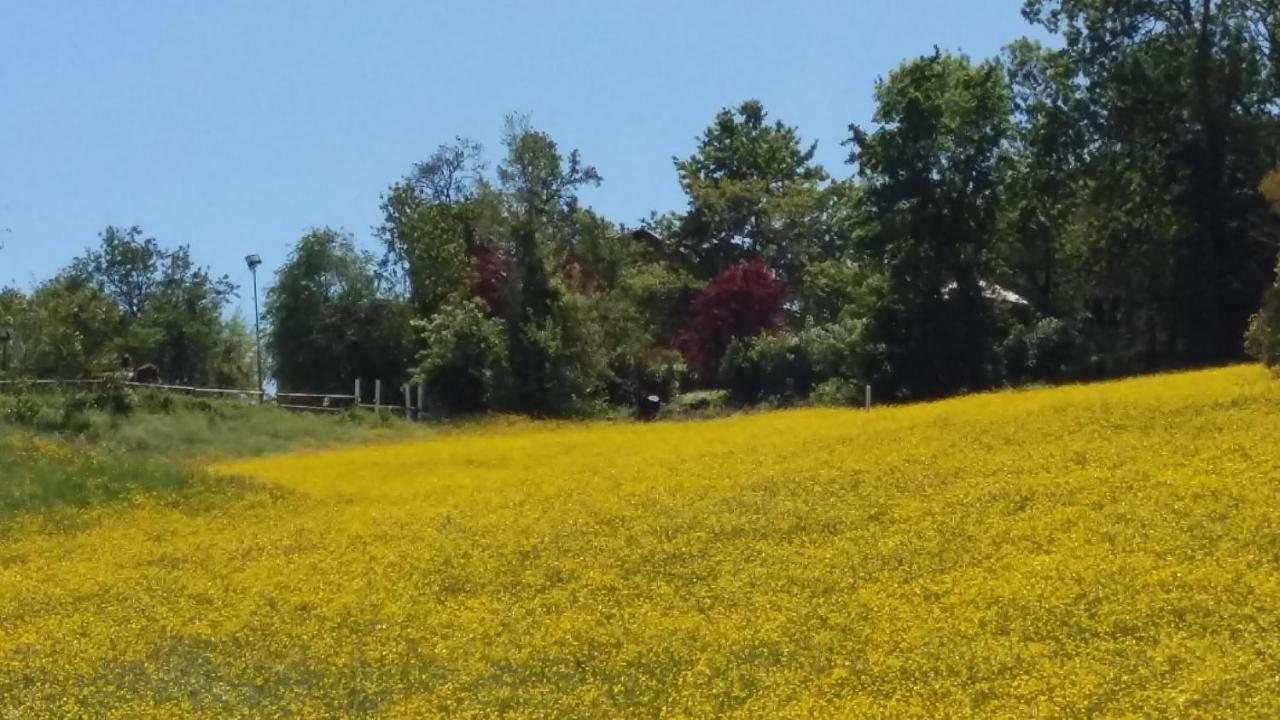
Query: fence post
point(422, 397)
point(868, 397)
point(356, 395)
point(377, 395)
point(404, 391)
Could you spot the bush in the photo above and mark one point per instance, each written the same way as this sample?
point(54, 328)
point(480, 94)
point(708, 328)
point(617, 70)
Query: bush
point(464, 360)
point(1042, 350)
point(696, 405)
point(1262, 339)
point(838, 392)
point(837, 350)
point(655, 372)
point(114, 397)
point(742, 302)
point(662, 294)
point(768, 367)
point(21, 410)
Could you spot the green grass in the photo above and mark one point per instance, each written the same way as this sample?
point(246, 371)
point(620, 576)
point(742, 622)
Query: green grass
point(61, 450)
point(43, 474)
point(155, 423)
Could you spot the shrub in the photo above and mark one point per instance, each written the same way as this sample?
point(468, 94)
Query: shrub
point(1262, 339)
point(114, 397)
point(561, 371)
point(1045, 349)
point(837, 350)
point(663, 295)
point(654, 372)
point(740, 303)
point(464, 359)
point(768, 367)
point(838, 392)
point(22, 410)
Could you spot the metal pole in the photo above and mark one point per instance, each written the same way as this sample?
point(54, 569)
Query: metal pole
point(257, 330)
point(868, 397)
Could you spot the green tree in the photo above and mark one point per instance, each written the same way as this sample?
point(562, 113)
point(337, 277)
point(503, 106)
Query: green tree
point(1177, 98)
point(126, 265)
point(435, 220)
point(233, 364)
point(463, 365)
point(170, 308)
point(753, 190)
point(1041, 186)
point(15, 331)
point(1262, 339)
point(930, 180)
point(330, 323)
point(69, 331)
point(549, 371)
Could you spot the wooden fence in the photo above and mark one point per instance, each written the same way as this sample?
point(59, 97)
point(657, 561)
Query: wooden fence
point(298, 401)
point(409, 402)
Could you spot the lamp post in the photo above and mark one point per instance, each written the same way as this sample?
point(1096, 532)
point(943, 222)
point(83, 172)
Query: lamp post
point(253, 261)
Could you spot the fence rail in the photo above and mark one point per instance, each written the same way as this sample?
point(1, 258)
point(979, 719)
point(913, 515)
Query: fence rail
point(298, 401)
point(45, 383)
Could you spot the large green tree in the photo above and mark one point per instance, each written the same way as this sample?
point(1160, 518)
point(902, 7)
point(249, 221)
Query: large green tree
point(330, 320)
point(1178, 100)
point(435, 221)
point(550, 361)
point(67, 330)
point(170, 307)
point(1042, 179)
point(754, 190)
point(930, 176)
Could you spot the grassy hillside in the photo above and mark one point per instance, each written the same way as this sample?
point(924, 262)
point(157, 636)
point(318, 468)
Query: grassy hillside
point(77, 450)
point(1103, 550)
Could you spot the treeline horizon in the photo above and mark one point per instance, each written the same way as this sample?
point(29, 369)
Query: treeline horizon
point(1103, 207)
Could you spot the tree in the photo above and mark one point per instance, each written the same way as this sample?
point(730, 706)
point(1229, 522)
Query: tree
point(463, 366)
point(1043, 180)
point(328, 321)
point(170, 308)
point(435, 219)
point(753, 190)
point(1178, 101)
point(184, 314)
point(740, 303)
point(233, 356)
point(929, 174)
point(540, 208)
point(69, 331)
point(14, 331)
point(1262, 340)
point(126, 266)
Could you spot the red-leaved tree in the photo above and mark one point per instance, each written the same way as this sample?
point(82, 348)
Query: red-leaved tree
point(741, 302)
point(490, 276)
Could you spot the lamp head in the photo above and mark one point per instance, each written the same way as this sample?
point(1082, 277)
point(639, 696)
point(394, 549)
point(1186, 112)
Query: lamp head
point(253, 261)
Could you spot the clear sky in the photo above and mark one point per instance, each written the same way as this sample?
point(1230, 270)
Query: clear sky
point(232, 126)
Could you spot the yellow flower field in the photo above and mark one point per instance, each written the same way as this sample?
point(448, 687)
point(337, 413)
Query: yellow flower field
point(1109, 550)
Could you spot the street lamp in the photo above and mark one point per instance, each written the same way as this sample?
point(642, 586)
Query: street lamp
point(253, 261)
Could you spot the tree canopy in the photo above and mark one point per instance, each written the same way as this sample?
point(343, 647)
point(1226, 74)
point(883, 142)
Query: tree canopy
point(1096, 203)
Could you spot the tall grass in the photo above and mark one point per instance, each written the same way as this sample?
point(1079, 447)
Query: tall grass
point(75, 450)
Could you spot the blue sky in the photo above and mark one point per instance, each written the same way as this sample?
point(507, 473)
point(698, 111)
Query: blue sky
point(233, 126)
